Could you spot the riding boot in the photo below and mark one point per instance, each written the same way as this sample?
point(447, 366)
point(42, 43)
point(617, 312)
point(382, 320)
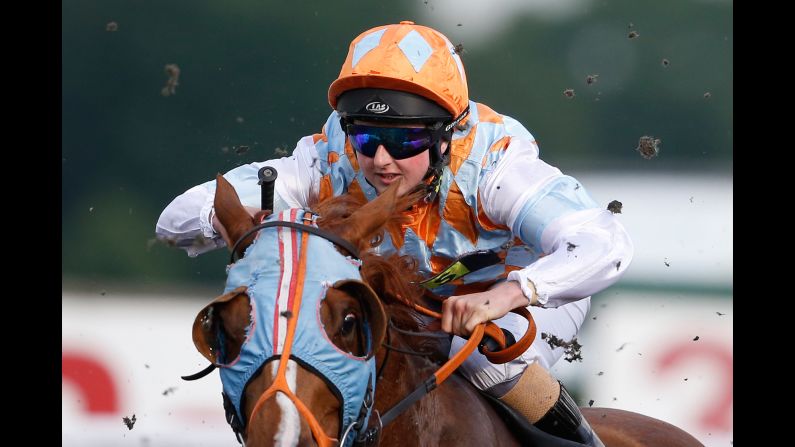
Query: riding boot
point(546, 404)
point(564, 419)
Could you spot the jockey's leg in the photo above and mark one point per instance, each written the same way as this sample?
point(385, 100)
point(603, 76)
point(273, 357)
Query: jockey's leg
point(562, 416)
point(525, 383)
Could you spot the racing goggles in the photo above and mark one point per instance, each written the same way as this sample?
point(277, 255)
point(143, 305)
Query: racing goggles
point(400, 142)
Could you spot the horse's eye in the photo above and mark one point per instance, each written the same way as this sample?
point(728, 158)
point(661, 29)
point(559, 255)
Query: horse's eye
point(348, 323)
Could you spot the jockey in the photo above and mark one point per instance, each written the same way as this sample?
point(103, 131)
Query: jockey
point(402, 111)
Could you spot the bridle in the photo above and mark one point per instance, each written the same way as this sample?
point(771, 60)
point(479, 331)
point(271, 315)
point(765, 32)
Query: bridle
point(280, 384)
point(354, 386)
point(333, 238)
point(370, 435)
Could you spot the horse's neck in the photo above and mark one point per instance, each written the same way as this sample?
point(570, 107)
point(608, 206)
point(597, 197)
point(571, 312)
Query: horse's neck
point(432, 419)
point(401, 375)
point(409, 320)
point(403, 372)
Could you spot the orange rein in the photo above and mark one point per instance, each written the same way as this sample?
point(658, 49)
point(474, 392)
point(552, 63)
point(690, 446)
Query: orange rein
point(490, 329)
point(502, 356)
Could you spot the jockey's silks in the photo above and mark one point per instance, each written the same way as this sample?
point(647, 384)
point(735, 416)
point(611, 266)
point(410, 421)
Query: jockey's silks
point(454, 224)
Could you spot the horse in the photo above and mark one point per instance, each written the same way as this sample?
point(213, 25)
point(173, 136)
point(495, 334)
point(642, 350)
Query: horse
point(368, 314)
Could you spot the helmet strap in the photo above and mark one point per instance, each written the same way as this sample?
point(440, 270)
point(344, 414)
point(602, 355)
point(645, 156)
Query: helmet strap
point(437, 163)
point(438, 160)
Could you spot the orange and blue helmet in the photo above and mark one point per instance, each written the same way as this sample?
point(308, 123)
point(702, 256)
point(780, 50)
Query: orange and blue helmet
point(402, 72)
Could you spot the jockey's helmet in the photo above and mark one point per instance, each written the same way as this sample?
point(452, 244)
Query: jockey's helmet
point(408, 58)
point(403, 72)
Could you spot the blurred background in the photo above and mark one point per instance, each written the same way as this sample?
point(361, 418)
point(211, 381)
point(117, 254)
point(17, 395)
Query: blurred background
point(160, 96)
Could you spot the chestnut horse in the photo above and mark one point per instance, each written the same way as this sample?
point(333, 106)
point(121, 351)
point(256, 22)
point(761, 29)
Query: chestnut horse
point(368, 317)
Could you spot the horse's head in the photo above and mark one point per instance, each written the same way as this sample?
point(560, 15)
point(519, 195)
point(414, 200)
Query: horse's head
point(295, 333)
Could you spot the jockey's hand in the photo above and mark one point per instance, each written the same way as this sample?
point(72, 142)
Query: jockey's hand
point(460, 314)
point(219, 227)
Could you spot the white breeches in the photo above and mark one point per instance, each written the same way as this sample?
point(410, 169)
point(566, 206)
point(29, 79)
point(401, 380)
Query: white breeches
point(564, 322)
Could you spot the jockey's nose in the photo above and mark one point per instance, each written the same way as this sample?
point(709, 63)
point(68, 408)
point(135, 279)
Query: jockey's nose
point(382, 157)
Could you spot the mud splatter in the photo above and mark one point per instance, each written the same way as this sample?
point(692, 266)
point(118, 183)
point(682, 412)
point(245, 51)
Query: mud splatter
point(649, 147)
point(169, 390)
point(571, 349)
point(129, 422)
point(632, 34)
point(172, 70)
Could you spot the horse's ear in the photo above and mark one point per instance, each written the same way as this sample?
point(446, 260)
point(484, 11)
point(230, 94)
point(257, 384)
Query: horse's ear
point(232, 214)
point(226, 319)
point(371, 304)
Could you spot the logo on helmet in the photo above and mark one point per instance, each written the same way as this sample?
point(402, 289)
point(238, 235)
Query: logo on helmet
point(377, 107)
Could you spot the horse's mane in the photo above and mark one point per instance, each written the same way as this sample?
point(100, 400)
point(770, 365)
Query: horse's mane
point(393, 277)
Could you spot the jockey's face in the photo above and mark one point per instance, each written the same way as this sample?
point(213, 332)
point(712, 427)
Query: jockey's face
point(381, 170)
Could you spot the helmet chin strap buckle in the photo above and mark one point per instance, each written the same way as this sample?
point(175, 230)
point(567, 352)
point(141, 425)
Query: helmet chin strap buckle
point(432, 190)
point(435, 173)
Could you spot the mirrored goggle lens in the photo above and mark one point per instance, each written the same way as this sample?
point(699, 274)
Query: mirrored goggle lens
point(400, 142)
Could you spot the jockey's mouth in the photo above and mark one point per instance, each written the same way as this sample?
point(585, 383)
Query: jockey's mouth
point(387, 177)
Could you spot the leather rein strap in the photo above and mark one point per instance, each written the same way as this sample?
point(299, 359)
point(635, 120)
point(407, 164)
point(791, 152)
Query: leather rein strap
point(505, 354)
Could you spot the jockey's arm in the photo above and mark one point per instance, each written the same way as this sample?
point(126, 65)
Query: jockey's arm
point(187, 222)
point(585, 247)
